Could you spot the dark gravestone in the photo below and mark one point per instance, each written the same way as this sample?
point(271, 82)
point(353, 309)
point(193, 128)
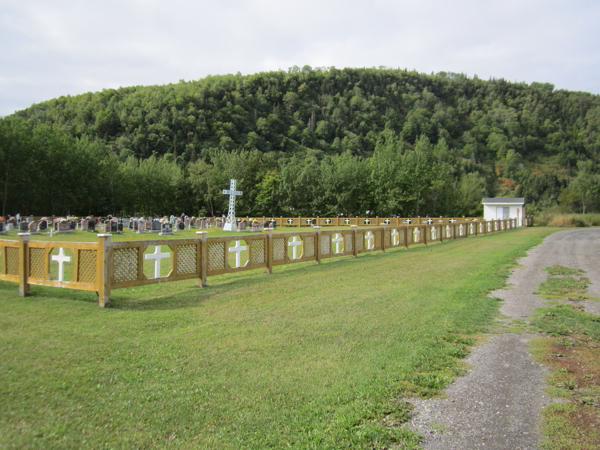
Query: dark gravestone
point(180, 226)
point(23, 227)
point(2, 229)
point(155, 225)
point(120, 227)
point(166, 228)
point(43, 225)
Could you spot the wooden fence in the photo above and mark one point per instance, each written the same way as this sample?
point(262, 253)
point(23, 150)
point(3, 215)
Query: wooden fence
point(105, 265)
point(360, 221)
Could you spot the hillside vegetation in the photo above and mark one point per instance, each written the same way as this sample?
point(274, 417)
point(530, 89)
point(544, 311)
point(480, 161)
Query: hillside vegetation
point(310, 141)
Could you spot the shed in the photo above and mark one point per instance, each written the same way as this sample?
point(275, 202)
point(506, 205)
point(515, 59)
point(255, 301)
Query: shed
point(504, 208)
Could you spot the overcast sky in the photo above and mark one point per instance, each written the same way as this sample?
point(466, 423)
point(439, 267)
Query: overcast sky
point(50, 48)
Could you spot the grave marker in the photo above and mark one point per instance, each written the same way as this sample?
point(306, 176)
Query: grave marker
point(61, 259)
point(230, 224)
point(157, 256)
point(238, 249)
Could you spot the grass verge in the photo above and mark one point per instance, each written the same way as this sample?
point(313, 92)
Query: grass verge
point(572, 350)
point(309, 357)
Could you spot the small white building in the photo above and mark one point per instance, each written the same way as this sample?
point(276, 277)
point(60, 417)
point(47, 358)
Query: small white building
point(504, 208)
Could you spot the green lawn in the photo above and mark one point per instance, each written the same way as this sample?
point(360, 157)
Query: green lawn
point(309, 357)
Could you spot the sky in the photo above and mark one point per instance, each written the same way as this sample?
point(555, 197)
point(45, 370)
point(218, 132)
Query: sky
point(50, 48)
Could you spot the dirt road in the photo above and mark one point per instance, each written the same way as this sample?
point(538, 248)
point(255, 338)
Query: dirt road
point(497, 405)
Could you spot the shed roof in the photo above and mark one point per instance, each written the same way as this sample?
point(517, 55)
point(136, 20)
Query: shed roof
point(504, 201)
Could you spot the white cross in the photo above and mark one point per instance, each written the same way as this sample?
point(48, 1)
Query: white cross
point(417, 235)
point(238, 249)
point(461, 229)
point(369, 237)
point(294, 243)
point(346, 221)
point(338, 238)
point(387, 221)
point(447, 230)
point(230, 224)
point(395, 236)
point(327, 221)
point(367, 221)
point(157, 256)
point(61, 258)
point(290, 221)
point(433, 233)
point(308, 220)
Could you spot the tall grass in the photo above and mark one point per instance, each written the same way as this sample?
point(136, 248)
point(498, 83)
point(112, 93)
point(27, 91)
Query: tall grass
point(554, 219)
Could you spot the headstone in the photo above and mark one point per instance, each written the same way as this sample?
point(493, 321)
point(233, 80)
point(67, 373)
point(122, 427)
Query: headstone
point(107, 227)
point(73, 225)
point(32, 227)
point(166, 228)
point(126, 223)
point(62, 227)
point(114, 227)
point(256, 225)
point(186, 222)
point(2, 229)
point(156, 226)
point(43, 225)
point(199, 224)
point(242, 225)
point(180, 226)
point(23, 227)
point(148, 225)
point(140, 226)
point(12, 221)
point(172, 219)
point(219, 223)
point(9, 226)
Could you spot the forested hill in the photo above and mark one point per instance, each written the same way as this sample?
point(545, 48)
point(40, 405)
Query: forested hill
point(309, 142)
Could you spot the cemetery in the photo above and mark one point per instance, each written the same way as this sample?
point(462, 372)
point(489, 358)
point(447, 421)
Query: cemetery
point(103, 265)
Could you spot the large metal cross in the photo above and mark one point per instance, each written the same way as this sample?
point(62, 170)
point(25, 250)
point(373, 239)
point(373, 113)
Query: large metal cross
point(230, 223)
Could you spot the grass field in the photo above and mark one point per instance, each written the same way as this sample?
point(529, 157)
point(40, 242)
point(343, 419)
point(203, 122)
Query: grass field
point(309, 357)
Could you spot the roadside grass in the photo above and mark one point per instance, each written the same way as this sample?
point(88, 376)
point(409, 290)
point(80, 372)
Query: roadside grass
point(309, 357)
point(557, 219)
point(564, 283)
point(572, 350)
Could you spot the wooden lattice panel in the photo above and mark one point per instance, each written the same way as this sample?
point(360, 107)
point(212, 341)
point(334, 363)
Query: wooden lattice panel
point(309, 246)
point(378, 239)
point(216, 256)
point(186, 259)
point(87, 266)
point(257, 251)
point(325, 244)
point(360, 241)
point(125, 264)
point(36, 262)
point(12, 260)
point(278, 249)
point(347, 242)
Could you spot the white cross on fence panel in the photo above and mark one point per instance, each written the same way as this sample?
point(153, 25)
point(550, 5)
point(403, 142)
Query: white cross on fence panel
point(338, 238)
point(238, 249)
point(157, 256)
point(230, 224)
point(369, 237)
point(295, 243)
point(61, 259)
point(395, 237)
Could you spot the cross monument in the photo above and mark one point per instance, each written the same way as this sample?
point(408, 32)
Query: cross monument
point(230, 224)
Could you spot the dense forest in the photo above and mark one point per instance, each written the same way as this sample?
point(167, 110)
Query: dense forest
point(304, 142)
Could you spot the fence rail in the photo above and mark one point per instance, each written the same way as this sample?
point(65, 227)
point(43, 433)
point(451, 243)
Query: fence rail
point(105, 265)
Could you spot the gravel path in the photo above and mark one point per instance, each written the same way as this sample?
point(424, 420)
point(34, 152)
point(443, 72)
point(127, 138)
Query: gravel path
point(497, 404)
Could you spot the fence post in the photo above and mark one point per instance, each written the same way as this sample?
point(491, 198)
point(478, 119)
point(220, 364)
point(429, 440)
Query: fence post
point(269, 251)
point(103, 273)
point(318, 239)
point(23, 264)
point(425, 236)
point(354, 252)
point(406, 237)
point(202, 258)
point(383, 239)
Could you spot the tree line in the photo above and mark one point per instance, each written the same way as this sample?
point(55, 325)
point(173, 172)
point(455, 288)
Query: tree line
point(307, 142)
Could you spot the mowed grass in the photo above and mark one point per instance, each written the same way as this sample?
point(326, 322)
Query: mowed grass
point(309, 357)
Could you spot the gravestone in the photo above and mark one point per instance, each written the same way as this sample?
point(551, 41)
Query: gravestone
point(180, 226)
point(73, 225)
point(242, 225)
point(9, 226)
point(23, 227)
point(140, 227)
point(186, 222)
point(256, 226)
point(43, 225)
point(2, 228)
point(172, 219)
point(156, 226)
point(166, 228)
point(107, 227)
point(62, 227)
point(12, 221)
point(32, 227)
point(199, 223)
point(219, 223)
point(126, 223)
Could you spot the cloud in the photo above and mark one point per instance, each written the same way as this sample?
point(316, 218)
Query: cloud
point(48, 49)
